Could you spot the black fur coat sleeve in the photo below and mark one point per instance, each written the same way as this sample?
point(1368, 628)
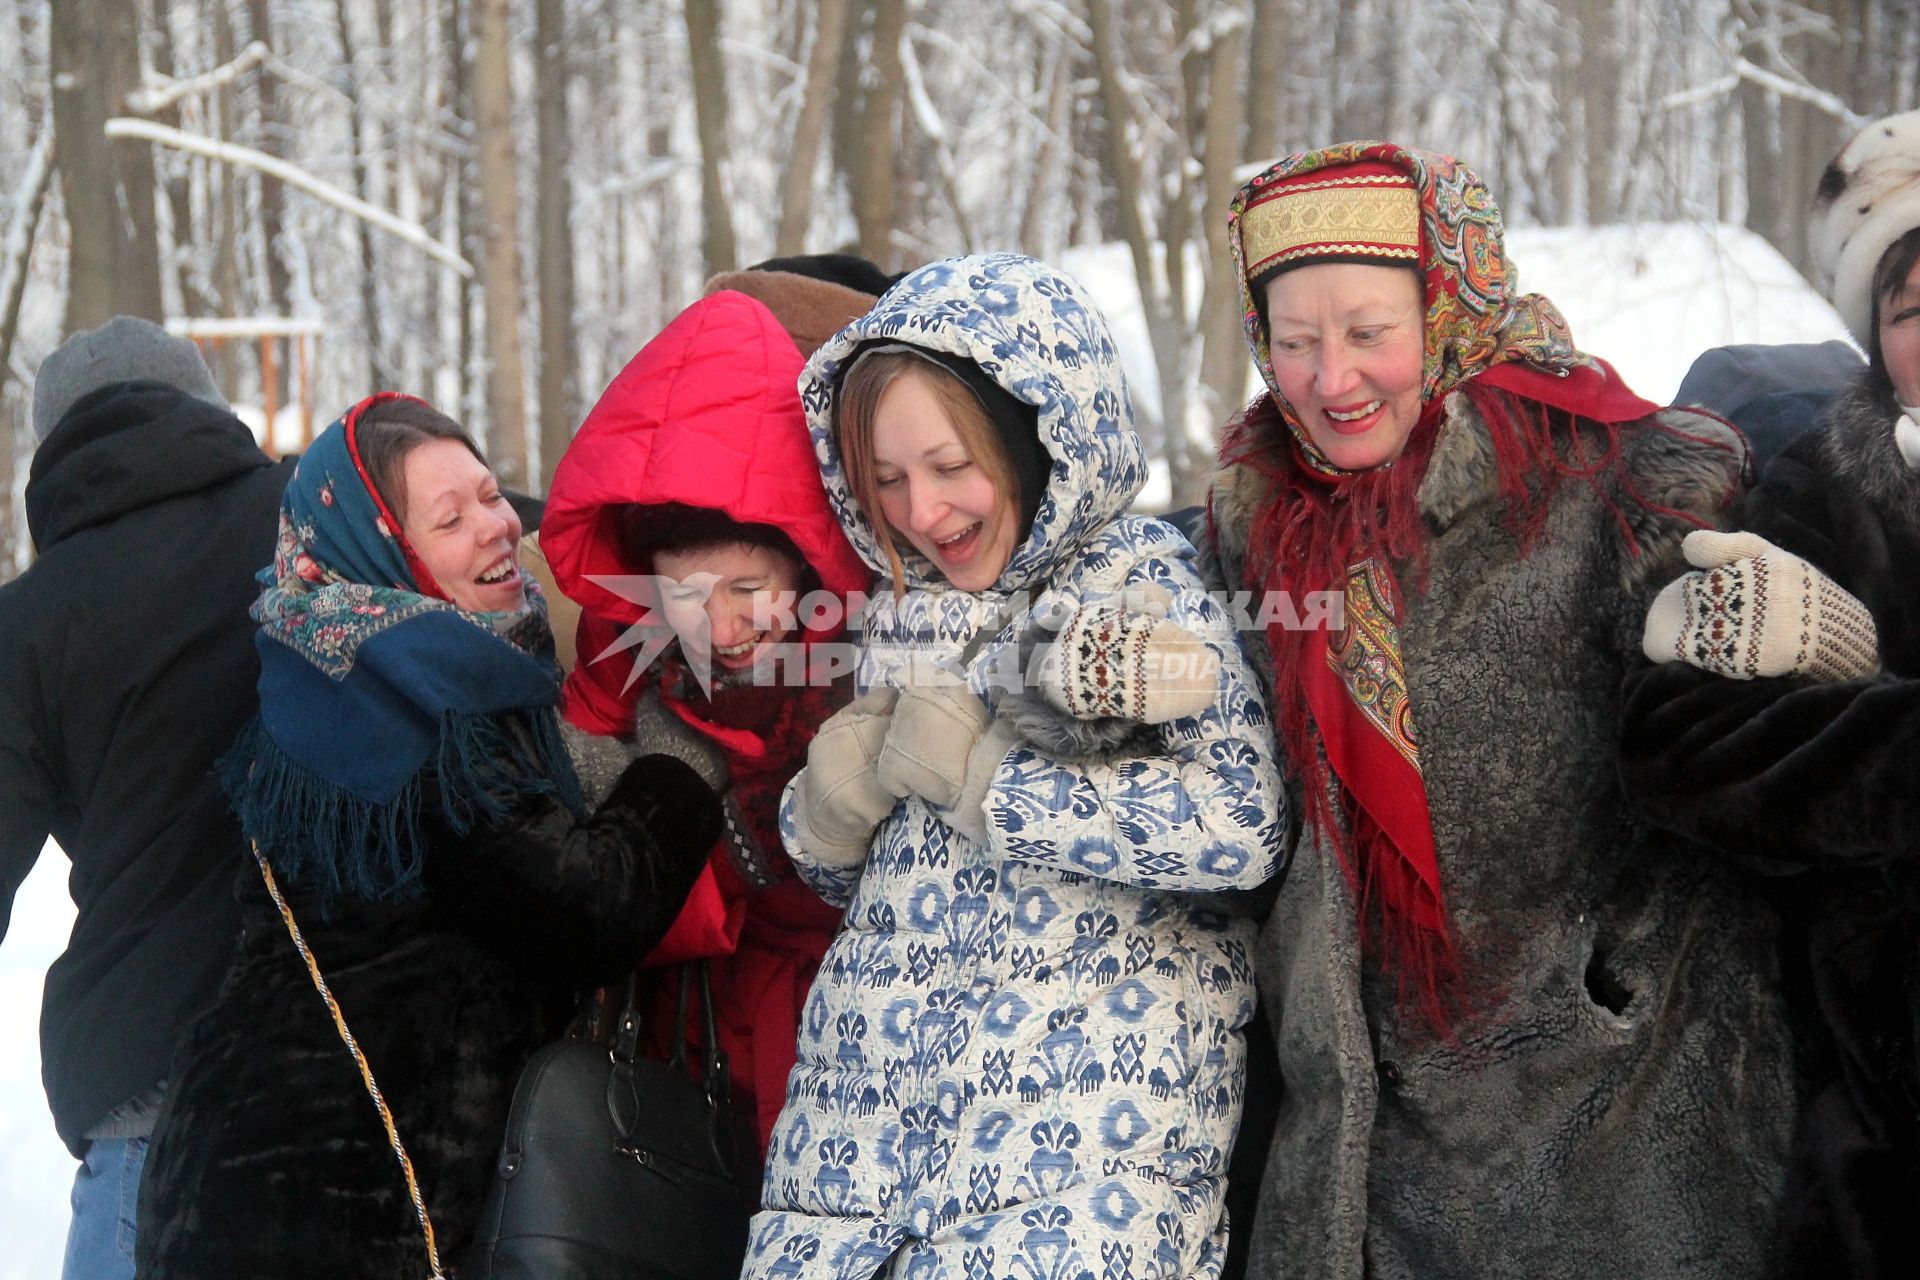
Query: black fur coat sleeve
point(1796, 773)
point(1785, 770)
point(580, 902)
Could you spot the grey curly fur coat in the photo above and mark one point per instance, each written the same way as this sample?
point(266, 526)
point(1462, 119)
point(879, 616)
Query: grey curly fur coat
point(1624, 1106)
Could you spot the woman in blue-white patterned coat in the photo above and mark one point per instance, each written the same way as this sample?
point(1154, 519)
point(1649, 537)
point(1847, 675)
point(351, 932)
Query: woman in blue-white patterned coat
point(1023, 1056)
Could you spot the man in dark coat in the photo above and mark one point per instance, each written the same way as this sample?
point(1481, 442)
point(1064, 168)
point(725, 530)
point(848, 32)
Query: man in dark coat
point(126, 667)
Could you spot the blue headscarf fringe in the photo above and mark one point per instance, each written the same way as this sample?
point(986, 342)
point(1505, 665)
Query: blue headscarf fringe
point(323, 837)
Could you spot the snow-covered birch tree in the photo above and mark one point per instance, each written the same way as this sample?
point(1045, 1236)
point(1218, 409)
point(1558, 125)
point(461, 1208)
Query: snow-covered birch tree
point(327, 168)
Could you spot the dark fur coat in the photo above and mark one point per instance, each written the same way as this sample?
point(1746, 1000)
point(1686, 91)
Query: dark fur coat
point(1622, 1104)
point(270, 1159)
point(1814, 784)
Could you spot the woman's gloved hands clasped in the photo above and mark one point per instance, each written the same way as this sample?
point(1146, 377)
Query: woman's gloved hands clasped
point(935, 739)
point(838, 799)
point(944, 746)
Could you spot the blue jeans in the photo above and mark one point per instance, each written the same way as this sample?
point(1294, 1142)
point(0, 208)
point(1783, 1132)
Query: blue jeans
point(105, 1191)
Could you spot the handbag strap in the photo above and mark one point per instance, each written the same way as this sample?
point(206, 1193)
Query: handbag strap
point(360, 1060)
point(713, 1064)
point(715, 1075)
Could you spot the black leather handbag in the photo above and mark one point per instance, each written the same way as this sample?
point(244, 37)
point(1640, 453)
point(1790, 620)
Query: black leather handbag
point(617, 1167)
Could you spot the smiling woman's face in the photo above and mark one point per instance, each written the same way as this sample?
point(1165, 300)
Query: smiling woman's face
point(936, 493)
point(462, 527)
point(725, 600)
point(1900, 337)
point(1345, 340)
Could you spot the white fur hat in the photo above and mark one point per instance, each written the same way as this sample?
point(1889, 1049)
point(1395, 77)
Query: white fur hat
point(1868, 198)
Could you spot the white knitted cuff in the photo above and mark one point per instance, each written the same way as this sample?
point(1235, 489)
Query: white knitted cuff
point(1129, 665)
point(1101, 664)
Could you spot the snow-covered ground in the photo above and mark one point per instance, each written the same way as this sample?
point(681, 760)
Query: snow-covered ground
point(36, 1172)
point(1649, 299)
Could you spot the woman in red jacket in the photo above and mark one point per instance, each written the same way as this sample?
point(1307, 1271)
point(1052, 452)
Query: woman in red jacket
point(689, 520)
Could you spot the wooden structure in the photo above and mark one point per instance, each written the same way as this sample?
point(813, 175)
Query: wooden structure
point(276, 337)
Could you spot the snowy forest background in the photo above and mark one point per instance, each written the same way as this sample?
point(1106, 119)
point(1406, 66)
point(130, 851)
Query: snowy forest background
point(547, 181)
point(496, 202)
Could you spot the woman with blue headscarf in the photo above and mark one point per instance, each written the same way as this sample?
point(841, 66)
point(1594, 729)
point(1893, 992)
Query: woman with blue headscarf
point(413, 812)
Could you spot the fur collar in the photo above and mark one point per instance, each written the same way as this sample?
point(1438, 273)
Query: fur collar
point(1693, 467)
point(1861, 453)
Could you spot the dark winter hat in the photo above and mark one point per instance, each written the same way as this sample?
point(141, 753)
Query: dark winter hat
point(676, 526)
point(124, 349)
point(849, 269)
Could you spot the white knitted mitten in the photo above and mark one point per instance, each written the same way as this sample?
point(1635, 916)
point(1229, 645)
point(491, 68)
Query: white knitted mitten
point(1754, 610)
point(1125, 660)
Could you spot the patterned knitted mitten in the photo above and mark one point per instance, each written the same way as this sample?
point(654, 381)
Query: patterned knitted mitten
point(1754, 610)
point(1129, 663)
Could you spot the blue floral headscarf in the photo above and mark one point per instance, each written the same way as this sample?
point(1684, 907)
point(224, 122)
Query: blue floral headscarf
point(378, 699)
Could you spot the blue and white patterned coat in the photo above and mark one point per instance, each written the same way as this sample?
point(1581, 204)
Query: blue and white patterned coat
point(1024, 1058)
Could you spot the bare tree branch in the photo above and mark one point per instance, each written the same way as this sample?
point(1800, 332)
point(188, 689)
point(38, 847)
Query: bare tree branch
point(293, 176)
point(161, 92)
point(16, 252)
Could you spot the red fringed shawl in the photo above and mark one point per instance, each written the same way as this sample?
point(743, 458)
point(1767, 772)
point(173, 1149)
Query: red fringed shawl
point(1341, 700)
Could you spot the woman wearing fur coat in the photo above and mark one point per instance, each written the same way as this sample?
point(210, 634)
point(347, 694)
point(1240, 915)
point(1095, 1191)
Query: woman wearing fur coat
point(1023, 1055)
point(1783, 722)
point(422, 853)
point(1522, 1035)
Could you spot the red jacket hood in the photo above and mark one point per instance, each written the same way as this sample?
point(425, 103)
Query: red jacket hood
point(707, 414)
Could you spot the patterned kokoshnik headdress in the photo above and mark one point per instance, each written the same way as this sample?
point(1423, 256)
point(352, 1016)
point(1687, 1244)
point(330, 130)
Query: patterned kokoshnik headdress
point(1367, 212)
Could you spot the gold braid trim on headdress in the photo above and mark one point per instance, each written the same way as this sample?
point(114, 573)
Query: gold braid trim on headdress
point(1375, 216)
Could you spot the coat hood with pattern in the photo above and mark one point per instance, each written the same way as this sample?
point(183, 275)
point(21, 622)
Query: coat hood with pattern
point(1022, 1055)
point(1031, 329)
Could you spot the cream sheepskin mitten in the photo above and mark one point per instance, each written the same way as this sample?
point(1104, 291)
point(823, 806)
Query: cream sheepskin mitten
point(838, 799)
point(1754, 610)
point(945, 746)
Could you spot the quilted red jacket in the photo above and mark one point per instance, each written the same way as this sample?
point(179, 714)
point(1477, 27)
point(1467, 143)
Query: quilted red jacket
point(708, 415)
